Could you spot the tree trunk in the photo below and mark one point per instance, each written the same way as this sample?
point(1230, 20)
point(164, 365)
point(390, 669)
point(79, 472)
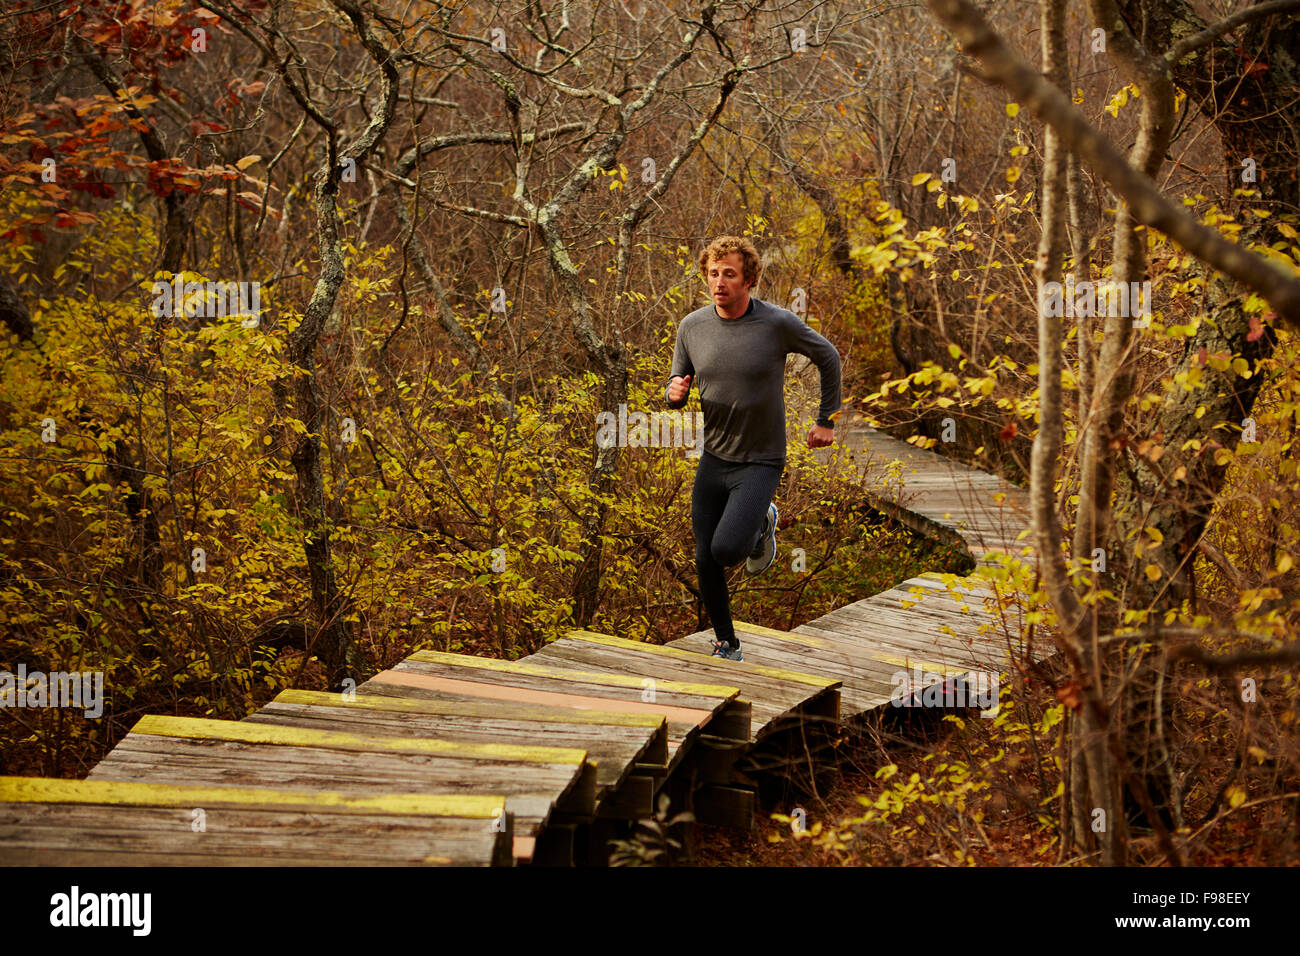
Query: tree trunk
point(13, 311)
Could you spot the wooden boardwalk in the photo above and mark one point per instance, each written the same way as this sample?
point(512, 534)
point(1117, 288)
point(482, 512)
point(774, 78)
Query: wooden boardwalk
point(450, 759)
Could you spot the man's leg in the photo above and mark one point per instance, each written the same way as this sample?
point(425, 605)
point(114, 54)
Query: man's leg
point(708, 502)
point(731, 521)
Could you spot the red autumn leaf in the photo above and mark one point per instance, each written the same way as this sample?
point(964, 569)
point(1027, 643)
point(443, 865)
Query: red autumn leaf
point(1256, 329)
point(1068, 694)
point(1008, 431)
point(250, 200)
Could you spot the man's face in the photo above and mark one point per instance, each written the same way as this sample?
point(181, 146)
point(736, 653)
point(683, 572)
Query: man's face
point(727, 283)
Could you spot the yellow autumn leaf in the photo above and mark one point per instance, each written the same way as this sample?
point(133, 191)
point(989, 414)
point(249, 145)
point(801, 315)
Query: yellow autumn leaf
point(1152, 572)
point(1118, 100)
point(247, 161)
point(1236, 796)
point(920, 178)
point(1013, 109)
point(1284, 564)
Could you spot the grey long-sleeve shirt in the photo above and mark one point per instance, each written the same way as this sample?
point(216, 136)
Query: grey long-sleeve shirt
point(739, 367)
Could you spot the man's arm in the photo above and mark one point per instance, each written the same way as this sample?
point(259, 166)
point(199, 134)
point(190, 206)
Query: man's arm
point(804, 340)
point(681, 368)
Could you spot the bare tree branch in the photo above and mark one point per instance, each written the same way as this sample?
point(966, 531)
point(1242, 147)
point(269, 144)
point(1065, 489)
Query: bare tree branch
point(1149, 206)
point(1211, 33)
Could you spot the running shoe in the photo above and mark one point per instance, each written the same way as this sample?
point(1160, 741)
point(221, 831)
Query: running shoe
point(765, 551)
point(727, 651)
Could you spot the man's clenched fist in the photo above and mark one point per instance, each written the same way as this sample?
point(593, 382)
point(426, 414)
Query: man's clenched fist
point(678, 388)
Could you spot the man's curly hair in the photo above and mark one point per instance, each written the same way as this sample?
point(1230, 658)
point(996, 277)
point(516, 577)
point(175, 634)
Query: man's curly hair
point(724, 246)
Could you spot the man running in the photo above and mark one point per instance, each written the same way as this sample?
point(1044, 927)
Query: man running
point(736, 348)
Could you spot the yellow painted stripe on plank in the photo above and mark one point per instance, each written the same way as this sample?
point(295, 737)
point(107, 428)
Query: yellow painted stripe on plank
point(695, 658)
point(946, 669)
point(121, 793)
point(415, 705)
point(780, 635)
point(202, 728)
point(591, 677)
point(507, 692)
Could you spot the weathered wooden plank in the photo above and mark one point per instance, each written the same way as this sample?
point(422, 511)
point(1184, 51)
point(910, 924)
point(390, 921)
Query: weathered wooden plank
point(659, 650)
point(843, 657)
point(201, 728)
point(934, 597)
point(872, 638)
point(902, 625)
point(530, 666)
point(732, 717)
point(614, 747)
point(530, 789)
point(681, 722)
point(891, 645)
point(942, 491)
point(845, 662)
point(544, 682)
point(755, 681)
point(769, 697)
point(129, 857)
point(734, 721)
point(725, 806)
point(97, 822)
point(57, 790)
point(38, 834)
point(874, 650)
point(891, 657)
point(618, 751)
point(933, 604)
point(862, 643)
point(414, 674)
point(714, 760)
point(247, 754)
point(470, 708)
point(633, 800)
point(864, 681)
point(853, 620)
point(551, 723)
point(555, 846)
point(943, 581)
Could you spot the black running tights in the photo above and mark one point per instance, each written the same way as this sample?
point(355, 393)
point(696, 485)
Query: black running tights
point(728, 505)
